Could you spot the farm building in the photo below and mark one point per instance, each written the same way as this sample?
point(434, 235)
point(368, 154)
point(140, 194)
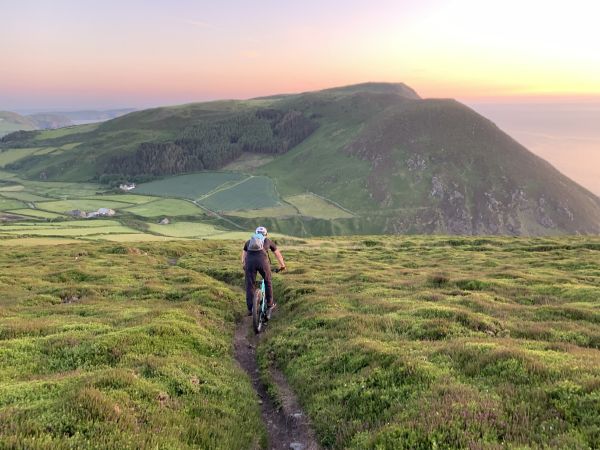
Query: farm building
point(102, 212)
point(77, 213)
point(105, 212)
point(127, 186)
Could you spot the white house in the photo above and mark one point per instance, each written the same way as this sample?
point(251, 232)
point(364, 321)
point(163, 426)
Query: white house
point(105, 212)
point(127, 186)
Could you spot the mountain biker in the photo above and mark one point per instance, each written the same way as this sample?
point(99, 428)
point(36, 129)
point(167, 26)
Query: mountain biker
point(255, 258)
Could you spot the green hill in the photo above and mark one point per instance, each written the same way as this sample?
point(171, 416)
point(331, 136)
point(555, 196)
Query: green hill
point(11, 122)
point(397, 163)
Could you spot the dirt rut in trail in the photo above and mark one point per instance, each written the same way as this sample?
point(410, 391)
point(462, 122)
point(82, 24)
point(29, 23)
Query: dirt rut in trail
point(288, 427)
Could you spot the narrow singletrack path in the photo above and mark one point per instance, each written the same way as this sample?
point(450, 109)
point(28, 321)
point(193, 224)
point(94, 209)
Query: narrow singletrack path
point(288, 427)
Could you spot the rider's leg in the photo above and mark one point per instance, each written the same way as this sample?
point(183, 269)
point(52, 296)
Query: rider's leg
point(265, 271)
point(250, 275)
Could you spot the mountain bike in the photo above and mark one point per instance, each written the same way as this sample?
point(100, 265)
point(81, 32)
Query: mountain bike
point(259, 307)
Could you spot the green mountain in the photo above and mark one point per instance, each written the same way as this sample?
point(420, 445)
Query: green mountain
point(398, 163)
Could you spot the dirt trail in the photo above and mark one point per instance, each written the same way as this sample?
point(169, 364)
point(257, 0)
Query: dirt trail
point(288, 427)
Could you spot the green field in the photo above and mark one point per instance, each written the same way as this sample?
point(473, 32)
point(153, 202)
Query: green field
point(88, 205)
point(313, 206)
point(24, 196)
point(185, 229)
point(36, 242)
point(282, 210)
point(63, 225)
point(55, 189)
point(126, 198)
point(11, 188)
point(133, 237)
point(36, 213)
point(166, 207)
point(253, 193)
point(98, 229)
point(218, 191)
point(8, 203)
point(191, 186)
point(68, 232)
point(107, 347)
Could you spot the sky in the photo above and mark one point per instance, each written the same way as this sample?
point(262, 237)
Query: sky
point(500, 57)
point(72, 54)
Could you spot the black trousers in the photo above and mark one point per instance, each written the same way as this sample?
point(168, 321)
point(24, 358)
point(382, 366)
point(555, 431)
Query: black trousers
point(261, 265)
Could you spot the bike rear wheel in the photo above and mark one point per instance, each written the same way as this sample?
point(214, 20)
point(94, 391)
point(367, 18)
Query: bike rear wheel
point(257, 319)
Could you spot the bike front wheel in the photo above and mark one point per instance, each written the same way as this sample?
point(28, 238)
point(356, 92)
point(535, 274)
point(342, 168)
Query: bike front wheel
point(257, 320)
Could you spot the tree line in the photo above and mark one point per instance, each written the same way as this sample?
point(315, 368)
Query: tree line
point(212, 145)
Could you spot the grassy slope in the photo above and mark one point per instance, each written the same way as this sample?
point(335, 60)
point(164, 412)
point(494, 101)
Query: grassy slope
point(109, 347)
point(319, 163)
point(98, 142)
point(416, 343)
point(422, 343)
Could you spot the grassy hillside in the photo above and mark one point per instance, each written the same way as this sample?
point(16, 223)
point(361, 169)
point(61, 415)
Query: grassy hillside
point(111, 347)
point(389, 342)
point(432, 166)
point(390, 159)
point(420, 343)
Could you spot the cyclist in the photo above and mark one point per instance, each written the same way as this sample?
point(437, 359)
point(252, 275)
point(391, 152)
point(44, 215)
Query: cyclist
point(255, 259)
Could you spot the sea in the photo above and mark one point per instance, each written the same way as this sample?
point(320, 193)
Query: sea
point(566, 134)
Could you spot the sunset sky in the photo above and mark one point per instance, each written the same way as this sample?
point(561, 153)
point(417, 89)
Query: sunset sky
point(70, 54)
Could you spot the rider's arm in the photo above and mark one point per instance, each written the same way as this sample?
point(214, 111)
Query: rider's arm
point(244, 259)
point(279, 257)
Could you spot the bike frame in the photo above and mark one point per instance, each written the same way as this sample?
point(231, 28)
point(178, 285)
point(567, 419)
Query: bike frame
point(263, 303)
point(260, 312)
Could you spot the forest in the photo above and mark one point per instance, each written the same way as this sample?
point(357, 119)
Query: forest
point(211, 145)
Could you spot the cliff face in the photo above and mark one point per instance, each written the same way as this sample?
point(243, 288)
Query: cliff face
point(463, 175)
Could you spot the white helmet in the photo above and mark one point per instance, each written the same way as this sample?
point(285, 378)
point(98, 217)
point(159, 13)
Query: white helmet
point(261, 230)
